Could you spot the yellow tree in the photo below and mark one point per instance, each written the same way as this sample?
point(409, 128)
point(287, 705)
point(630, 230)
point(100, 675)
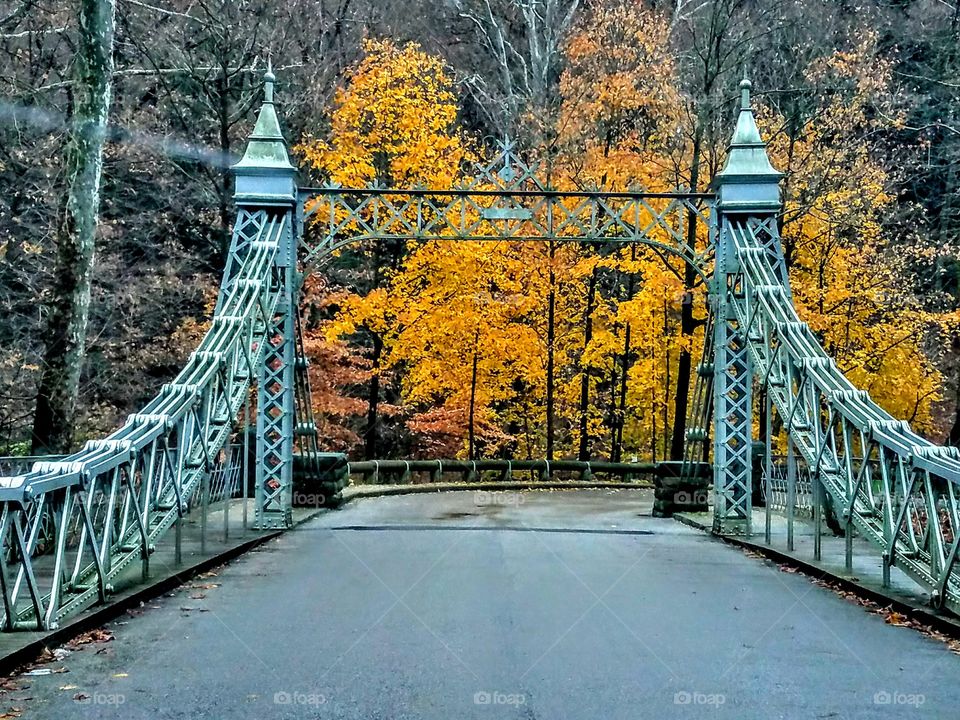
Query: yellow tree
point(849, 283)
point(464, 345)
point(394, 122)
point(618, 129)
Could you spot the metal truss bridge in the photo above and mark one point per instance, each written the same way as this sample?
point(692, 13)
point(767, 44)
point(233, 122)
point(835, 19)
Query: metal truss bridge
point(70, 527)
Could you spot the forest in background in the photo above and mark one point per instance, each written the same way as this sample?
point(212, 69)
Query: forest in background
point(519, 350)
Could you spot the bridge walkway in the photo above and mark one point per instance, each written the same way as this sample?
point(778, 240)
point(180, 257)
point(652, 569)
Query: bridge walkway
point(554, 605)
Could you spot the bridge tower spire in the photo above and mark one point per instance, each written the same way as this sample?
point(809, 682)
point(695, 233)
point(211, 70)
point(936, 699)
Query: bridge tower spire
point(748, 196)
point(266, 191)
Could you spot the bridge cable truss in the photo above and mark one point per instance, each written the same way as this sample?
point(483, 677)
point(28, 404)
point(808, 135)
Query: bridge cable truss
point(71, 527)
point(896, 489)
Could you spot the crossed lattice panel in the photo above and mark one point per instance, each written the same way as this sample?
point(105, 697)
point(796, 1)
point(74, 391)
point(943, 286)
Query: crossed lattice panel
point(276, 413)
point(339, 217)
point(732, 402)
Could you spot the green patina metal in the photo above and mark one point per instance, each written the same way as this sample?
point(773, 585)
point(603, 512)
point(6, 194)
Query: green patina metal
point(266, 147)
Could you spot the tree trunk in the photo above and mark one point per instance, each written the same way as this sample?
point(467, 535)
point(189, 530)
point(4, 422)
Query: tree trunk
point(551, 338)
point(954, 438)
point(687, 324)
point(584, 450)
point(373, 401)
point(53, 422)
point(622, 409)
point(226, 176)
point(473, 399)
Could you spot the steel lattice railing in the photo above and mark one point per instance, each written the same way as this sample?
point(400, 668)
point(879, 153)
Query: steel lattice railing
point(70, 527)
point(896, 488)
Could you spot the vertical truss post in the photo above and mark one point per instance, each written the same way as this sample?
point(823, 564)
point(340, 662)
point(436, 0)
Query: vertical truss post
point(748, 190)
point(266, 187)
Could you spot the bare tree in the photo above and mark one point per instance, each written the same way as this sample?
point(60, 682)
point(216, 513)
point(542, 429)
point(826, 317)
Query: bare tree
point(77, 228)
point(523, 39)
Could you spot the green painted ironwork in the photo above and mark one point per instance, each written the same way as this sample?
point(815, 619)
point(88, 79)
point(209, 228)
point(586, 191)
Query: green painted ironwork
point(69, 527)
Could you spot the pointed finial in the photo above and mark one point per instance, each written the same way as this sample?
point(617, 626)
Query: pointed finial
point(748, 182)
point(745, 87)
point(268, 80)
point(265, 171)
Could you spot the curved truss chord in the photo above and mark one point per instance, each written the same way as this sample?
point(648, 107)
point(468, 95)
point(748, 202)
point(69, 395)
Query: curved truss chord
point(899, 490)
point(69, 528)
point(340, 217)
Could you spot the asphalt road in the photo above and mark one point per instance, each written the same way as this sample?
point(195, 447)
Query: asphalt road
point(546, 605)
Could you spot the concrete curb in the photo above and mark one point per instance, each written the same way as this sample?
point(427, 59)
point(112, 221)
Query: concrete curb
point(921, 613)
point(98, 615)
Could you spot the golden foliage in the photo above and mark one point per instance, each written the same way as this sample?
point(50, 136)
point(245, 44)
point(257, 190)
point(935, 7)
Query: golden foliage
point(393, 123)
point(463, 327)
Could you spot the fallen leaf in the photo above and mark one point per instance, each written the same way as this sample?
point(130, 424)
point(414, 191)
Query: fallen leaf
point(45, 656)
point(94, 636)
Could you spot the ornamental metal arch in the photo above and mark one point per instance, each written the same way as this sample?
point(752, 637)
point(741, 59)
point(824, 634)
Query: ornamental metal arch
point(504, 199)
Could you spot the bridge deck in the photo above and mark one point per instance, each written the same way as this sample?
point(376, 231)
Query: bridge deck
point(563, 605)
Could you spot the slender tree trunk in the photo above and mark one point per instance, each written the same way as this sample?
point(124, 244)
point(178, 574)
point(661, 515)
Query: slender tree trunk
point(223, 118)
point(622, 408)
point(53, 423)
point(473, 398)
point(621, 411)
point(584, 450)
point(687, 324)
point(373, 401)
point(666, 379)
point(613, 407)
point(954, 437)
point(551, 338)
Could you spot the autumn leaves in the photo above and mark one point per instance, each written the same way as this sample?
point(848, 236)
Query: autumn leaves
point(503, 347)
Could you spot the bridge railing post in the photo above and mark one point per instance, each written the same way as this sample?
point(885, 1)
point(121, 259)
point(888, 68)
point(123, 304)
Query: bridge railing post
point(747, 190)
point(266, 187)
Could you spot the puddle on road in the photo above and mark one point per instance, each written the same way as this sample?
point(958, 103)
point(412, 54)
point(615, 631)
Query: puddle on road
point(453, 515)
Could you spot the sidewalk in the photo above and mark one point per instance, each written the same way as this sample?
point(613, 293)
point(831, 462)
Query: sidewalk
point(865, 579)
point(197, 555)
